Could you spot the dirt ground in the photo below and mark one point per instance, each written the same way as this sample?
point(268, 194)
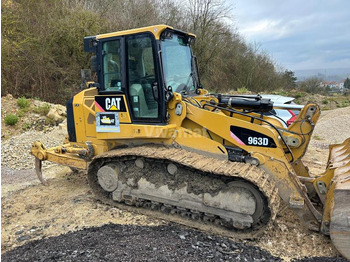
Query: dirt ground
point(326, 102)
point(115, 242)
point(31, 211)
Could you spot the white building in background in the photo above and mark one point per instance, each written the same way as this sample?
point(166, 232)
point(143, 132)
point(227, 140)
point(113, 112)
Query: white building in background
point(333, 84)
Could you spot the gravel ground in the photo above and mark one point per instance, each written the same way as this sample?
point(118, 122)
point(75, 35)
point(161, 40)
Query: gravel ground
point(333, 125)
point(141, 243)
point(322, 259)
point(18, 147)
point(135, 243)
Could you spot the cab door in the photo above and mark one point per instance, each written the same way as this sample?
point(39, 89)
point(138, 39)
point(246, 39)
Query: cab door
point(143, 79)
point(110, 104)
point(129, 90)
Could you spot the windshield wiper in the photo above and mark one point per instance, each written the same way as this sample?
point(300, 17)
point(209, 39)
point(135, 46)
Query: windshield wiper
point(184, 87)
point(188, 79)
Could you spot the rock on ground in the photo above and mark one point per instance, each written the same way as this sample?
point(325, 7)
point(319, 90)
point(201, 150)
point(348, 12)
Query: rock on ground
point(322, 259)
point(32, 117)
point(15, 151)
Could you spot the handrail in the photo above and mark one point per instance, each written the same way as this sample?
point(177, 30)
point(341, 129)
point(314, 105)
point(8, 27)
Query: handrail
point(287, 106)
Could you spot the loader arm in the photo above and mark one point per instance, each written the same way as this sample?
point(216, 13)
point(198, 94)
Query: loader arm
point(277, 157)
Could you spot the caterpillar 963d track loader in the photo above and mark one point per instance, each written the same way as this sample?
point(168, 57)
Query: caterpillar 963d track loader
point(152, 138)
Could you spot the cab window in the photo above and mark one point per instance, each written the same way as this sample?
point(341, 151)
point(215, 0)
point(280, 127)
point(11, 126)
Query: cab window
point(141, 76)
point(111, 66)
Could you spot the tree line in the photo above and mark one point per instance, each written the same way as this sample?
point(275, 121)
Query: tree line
point(42, 44)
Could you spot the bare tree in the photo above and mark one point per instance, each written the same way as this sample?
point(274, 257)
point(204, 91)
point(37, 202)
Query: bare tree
point(311, 85)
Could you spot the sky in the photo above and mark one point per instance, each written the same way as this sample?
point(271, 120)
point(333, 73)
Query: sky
point(297, 34)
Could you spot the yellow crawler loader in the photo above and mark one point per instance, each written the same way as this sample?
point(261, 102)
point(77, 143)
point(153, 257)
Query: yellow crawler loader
point(152, 139)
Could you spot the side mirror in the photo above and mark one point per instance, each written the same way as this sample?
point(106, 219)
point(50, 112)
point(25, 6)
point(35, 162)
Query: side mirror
point(155, 91)
point(93, 63)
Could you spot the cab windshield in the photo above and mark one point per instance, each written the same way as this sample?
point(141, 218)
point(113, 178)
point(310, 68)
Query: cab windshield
point(179, 69)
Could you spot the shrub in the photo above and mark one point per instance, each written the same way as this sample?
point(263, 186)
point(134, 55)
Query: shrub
point(11, 119)
point(21, 112)
point(242, 90)
point(26, 126)
point(281, 93)
point(298, 95)
point(49, 121)
point(23, 102)
point(325, 102)
point(42, 110)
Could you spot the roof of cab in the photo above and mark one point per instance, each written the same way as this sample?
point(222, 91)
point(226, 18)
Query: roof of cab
point(156, 30)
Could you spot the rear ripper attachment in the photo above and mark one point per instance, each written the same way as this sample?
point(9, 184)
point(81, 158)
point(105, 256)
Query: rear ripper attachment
point(66, 154)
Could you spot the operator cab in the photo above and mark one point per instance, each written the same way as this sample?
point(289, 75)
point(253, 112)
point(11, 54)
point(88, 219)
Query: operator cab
point(144, 66)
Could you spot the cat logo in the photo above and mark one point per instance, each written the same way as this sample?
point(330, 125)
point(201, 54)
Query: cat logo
point(110, 103)
point(113, 103)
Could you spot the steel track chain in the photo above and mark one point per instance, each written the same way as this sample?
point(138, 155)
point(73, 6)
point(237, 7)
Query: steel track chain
point(194, 161)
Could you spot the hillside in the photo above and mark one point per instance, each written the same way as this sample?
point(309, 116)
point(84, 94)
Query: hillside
point(44, 50)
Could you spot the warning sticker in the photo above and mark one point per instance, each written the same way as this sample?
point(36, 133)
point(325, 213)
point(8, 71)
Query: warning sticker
point(107, 122)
